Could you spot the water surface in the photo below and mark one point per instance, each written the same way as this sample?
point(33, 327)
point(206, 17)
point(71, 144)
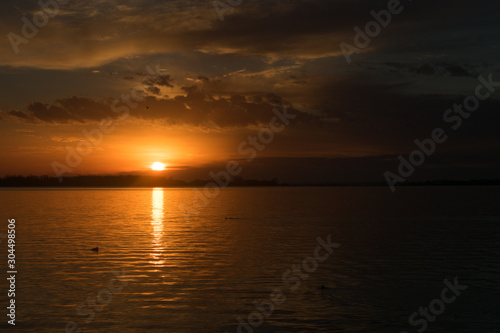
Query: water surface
point(199, 271)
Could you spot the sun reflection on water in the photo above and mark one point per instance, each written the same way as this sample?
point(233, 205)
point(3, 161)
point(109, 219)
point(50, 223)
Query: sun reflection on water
point(157, 213)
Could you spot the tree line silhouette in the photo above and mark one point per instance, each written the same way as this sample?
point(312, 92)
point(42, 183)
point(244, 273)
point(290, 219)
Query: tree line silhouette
point(159, 181)
point(120, 181)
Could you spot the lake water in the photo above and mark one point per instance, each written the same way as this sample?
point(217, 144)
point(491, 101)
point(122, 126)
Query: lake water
point(183, 268)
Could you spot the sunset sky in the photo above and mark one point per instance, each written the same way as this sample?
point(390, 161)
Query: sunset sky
point(216, 82)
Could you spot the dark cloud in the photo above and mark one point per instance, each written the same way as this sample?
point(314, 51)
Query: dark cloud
point(298, 80)
point(158, 80)
point(456, 70)
point(49, 113)
point(197, 108)
point(390, 116)
point(69, 109)
point(154, 90)
point(440, 68)
point(305, 29)
point(19, 114)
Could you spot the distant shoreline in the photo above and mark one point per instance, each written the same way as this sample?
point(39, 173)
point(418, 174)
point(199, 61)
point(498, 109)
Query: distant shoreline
point(152, 182)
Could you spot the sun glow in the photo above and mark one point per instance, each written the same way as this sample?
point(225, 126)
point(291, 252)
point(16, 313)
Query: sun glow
point(158, 166)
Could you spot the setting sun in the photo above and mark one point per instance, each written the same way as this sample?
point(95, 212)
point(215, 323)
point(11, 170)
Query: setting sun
point(158, 166)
